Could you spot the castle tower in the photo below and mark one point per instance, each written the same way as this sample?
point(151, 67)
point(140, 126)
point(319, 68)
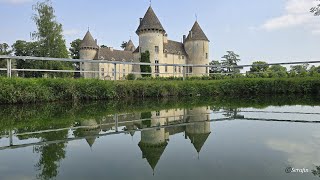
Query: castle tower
point(88, 51)
point(151, 37)
point(197, 48)
point(89, 132)
point(199, 131)
point(130, 46)
point(153, 142)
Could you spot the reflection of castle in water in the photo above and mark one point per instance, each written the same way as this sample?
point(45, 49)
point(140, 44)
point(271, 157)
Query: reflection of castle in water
point(154, 139)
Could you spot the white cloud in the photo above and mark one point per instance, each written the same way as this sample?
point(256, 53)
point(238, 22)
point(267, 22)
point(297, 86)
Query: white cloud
point(15, 1)
point(297, 13)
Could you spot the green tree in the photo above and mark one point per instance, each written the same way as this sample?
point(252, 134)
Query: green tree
point(4, 50)
point(75, 54)
point(49, 36)
point(75, 49)
point(259, 66)
point(217, 68)
point(230, 59)
point(316, 10)
point(103, 46)
point(277, 71)
point(124, 44)
point(299, 70)
point(23, 48)
point(145, 58)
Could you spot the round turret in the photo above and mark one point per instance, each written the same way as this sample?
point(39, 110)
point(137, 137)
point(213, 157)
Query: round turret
point(197, 48)
point(88, 51)
point(151, 36)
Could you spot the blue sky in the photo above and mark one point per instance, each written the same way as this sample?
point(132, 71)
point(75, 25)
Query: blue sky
point(272, 30)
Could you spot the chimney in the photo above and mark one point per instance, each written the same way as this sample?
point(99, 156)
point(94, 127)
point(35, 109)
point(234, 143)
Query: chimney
point(140, 20)
point(184, 38)
point(96, 40)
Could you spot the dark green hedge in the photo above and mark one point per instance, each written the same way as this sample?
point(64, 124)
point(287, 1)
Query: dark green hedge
point(17, 90)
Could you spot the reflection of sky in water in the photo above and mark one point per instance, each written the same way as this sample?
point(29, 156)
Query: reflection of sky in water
point(235, 149)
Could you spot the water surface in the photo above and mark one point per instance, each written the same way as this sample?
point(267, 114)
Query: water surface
point(256, 138)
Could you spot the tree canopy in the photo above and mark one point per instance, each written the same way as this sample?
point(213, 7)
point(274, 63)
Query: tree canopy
point(145, 58)
point(230, 59)
point(316, 10)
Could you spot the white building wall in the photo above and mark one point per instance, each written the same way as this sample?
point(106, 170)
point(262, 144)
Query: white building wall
point(198, 53)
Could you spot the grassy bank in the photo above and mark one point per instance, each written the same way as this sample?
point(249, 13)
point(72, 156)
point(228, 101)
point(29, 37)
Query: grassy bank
point(17, 90)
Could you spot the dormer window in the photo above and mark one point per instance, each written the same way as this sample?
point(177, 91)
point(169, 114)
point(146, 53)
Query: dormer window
point(156, 49)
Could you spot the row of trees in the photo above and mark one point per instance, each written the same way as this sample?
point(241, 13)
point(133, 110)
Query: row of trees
point(261, 68)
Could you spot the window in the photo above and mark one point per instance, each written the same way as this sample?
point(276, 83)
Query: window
point(179, 69)
point(124, 72)
point(166, 55)
point(179, 56)
point(190, 70)
point(102, 71)
point(112, 72)
point(206, 55)
point(156, 49)
point(157, 113)
point(156, 67)
point(175, 68)
point(182, 57)
point(166, 68)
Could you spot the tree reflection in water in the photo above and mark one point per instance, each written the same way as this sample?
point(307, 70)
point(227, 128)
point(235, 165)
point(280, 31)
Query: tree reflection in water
point(50, 155)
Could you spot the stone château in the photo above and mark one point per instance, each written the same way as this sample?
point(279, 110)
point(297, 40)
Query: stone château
point(194, 49)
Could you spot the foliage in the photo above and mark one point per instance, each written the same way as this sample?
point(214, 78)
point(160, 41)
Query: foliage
point(299, 70)
point(230, 59)
point(4, 50)
point(49, 37)
point(75, 49)
point(316, 10)
point(18, 90)
point(259, 66)
point(145, 58)
point(216, 69)
point(124, 44)
point(131, 77)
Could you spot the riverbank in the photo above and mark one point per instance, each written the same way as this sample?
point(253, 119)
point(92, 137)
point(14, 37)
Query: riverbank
point(18, 90)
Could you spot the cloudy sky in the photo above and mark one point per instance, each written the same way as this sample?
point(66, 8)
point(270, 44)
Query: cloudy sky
point(272, 30)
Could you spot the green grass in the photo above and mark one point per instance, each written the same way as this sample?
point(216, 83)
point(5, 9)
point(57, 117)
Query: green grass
point(18, 90)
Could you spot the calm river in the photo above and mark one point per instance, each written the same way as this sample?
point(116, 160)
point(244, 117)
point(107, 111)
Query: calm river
point(253, 138)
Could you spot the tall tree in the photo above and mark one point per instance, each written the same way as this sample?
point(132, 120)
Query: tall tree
point(145, 58)
point(230, 59)
point(49, 36)
point(316, 10)
point(75, 54)
point(49, 31)
point(75, 49)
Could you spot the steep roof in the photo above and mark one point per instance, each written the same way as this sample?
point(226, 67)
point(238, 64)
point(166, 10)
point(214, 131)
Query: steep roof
point(130, 46)
point(152, 152)
point(198, 140)
point(150, 21)
point(115, 55)
point(137, 50)
point(174, 47)
point(197, 33)
point(88, 41)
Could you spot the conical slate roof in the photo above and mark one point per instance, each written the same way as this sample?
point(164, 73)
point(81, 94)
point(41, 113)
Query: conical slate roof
point(198, 140)
point(150, 21)
point(88, 41)
point(197, 33)
point(152, 152)
point(130, 46)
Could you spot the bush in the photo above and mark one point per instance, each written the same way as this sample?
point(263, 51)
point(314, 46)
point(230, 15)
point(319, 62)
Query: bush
point(131, 77)
point(18, 90)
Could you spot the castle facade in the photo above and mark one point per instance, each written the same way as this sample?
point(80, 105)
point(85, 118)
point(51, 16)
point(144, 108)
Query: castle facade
point(193, 50)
